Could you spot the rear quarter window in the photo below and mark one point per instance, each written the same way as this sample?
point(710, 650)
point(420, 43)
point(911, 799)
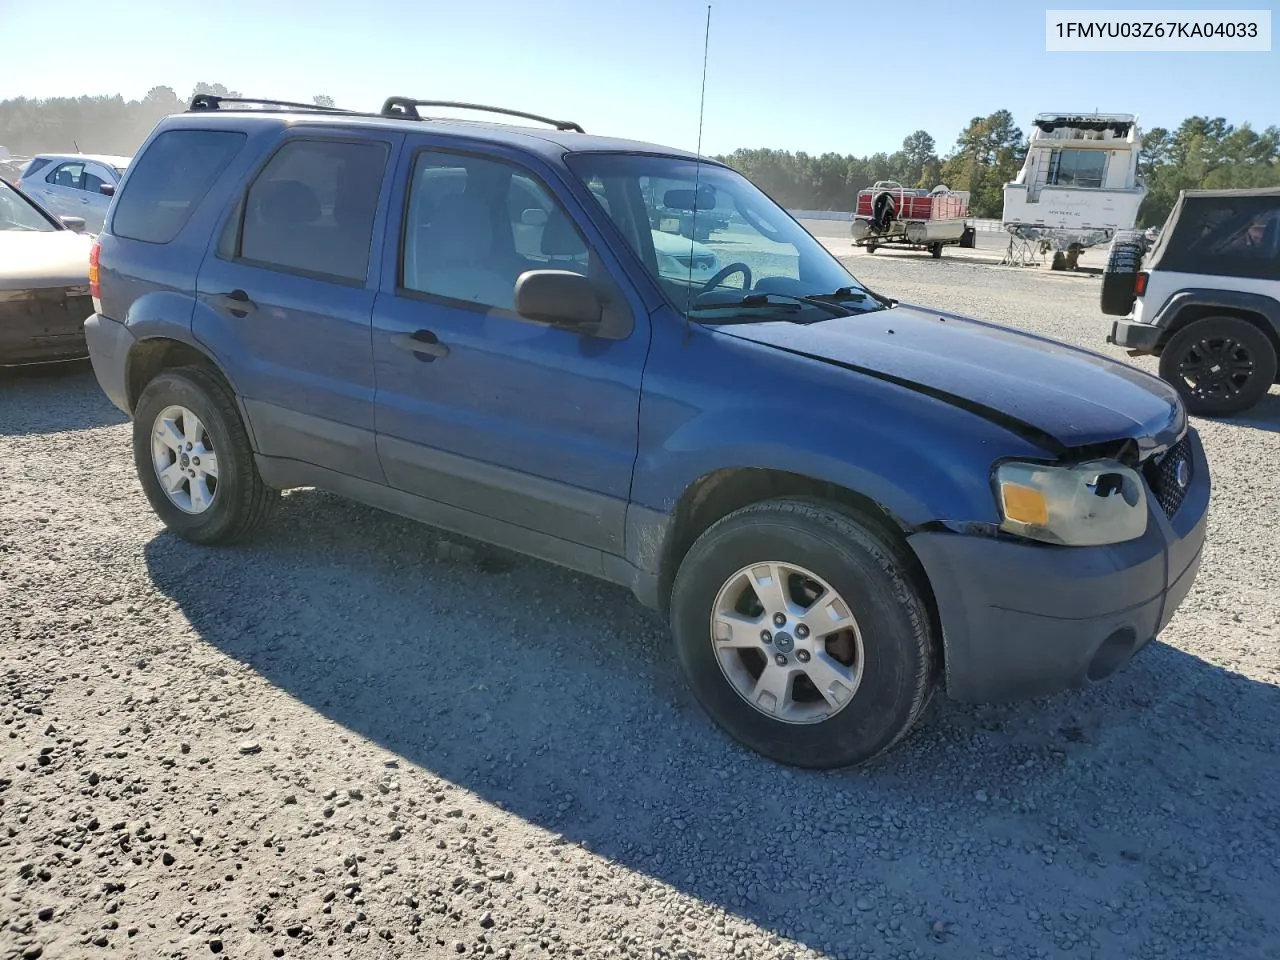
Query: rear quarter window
point(34, 166)
point(169, 180)
point(1226, 236)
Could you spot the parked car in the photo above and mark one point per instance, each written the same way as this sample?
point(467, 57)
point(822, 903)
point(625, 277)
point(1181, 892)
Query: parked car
point(1203, 295)
point(44, 282)
point(74, 184)
point(681, 257)
point(838, 501)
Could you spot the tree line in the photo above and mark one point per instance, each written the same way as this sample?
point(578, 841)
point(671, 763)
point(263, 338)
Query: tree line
point(1201, 152)
point(95, 124)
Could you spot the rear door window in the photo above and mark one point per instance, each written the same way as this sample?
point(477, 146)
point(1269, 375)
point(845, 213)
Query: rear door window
point(311, 209)
point(169, 180)
point(69, 175)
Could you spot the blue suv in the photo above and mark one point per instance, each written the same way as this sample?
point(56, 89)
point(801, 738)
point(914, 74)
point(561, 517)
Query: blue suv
point(838, 501)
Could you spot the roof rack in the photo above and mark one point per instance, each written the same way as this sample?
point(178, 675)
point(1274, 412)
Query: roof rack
point(209, 101)
point(407, 108)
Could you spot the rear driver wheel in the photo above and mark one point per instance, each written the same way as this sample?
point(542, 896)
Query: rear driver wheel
point(1220, 365)
point(194, 460)
point(803, 634)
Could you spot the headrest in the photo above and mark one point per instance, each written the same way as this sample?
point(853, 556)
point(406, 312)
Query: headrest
point(461, 229)
point(288, 202)
point(559, 238)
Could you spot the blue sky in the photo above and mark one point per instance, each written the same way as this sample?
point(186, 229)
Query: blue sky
point(815, 75)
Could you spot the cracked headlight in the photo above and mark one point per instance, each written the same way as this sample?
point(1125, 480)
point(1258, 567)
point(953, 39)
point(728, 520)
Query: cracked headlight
point(1080, 505)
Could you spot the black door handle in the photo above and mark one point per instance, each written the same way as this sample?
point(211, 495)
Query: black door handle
point(423, 344)
point(237, 303)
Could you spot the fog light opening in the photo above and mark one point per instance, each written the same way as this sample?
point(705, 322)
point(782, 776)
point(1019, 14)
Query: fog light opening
point(1112, 654)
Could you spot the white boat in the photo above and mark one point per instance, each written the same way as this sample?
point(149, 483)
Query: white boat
point(1079, 184)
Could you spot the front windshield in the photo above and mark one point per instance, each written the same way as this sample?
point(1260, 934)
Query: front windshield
point(17, 214)
point(711, 238)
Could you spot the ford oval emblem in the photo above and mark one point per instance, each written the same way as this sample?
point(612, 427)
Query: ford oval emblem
point(1182, 474)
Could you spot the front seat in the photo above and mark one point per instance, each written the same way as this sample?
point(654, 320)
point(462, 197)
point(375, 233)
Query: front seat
point(562, 244)
point(283, 214)
point(453, 257)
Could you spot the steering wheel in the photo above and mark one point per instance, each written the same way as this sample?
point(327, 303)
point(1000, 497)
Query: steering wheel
point(728, 271)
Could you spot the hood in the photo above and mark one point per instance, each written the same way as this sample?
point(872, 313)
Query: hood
point(1054, 394)
point(58, 258)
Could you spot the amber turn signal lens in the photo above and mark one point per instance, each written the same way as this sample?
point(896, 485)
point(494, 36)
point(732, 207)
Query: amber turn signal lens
point(1024, 505)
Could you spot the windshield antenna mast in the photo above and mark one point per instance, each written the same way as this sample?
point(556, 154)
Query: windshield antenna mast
point(697, 168)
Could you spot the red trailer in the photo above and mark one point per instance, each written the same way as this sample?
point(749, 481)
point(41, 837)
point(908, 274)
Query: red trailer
point(888, 213)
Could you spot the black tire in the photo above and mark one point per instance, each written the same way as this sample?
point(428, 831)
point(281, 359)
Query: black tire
point(241, 502)
point(1219, 341)
point(1120, 277)
point(936, 251)
point(871, 247)
point(869, 572)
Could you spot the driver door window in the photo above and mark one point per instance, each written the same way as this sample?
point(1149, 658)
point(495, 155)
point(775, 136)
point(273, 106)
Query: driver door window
point(475, 224)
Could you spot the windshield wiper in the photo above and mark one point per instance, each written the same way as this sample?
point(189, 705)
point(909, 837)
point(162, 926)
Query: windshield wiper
point(757, 301)
point(752, 301)
point(848, 293)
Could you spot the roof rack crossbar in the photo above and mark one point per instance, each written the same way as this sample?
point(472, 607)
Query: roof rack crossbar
point(209, 101)
point(407, 107)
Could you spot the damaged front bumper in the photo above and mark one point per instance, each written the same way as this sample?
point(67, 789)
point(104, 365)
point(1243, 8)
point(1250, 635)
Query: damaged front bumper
point(1022, 620)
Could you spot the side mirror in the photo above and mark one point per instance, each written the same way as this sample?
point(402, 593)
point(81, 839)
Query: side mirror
point(534, 217)
point(107, 189)
point(560, 298)
point(75, 224)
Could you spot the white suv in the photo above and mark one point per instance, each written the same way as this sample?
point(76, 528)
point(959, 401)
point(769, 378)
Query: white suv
point(74, 184)
point(1206, 300)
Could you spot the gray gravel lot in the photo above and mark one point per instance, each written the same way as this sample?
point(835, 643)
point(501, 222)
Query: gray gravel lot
point(346, 740)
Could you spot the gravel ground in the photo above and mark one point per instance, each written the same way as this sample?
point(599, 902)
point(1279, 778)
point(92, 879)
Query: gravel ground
point(281, 750)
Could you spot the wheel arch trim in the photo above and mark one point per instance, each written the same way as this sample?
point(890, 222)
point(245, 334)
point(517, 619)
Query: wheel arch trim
point(1172, 315)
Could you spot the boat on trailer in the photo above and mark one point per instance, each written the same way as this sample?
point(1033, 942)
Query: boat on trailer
point(889, 213)
point(1079, 185)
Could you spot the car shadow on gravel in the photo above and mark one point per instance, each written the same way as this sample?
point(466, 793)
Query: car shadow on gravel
point(1264, 415)
point(53, 398)
point(559, 699)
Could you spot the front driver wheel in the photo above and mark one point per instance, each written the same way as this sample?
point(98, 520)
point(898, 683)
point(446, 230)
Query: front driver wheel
point(803, 634)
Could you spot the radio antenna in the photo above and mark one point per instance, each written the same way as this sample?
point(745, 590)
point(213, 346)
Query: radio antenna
point(702, 103)
point(697, 168)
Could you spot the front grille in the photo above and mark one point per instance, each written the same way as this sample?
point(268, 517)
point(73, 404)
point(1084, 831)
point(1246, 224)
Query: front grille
point(1163, 473)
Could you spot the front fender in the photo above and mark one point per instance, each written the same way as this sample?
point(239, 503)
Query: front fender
point(917, 456)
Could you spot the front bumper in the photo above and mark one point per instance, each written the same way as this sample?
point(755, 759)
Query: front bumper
point(109, 344)
point(1138, 337)
point(1022, 620)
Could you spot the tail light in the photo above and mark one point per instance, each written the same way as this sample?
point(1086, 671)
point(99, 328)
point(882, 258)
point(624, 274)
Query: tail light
point(95, 290)
point(1140, 284)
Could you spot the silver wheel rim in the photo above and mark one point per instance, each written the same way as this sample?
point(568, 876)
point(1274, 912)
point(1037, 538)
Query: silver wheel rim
point(184, 459)
point(787, 642)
